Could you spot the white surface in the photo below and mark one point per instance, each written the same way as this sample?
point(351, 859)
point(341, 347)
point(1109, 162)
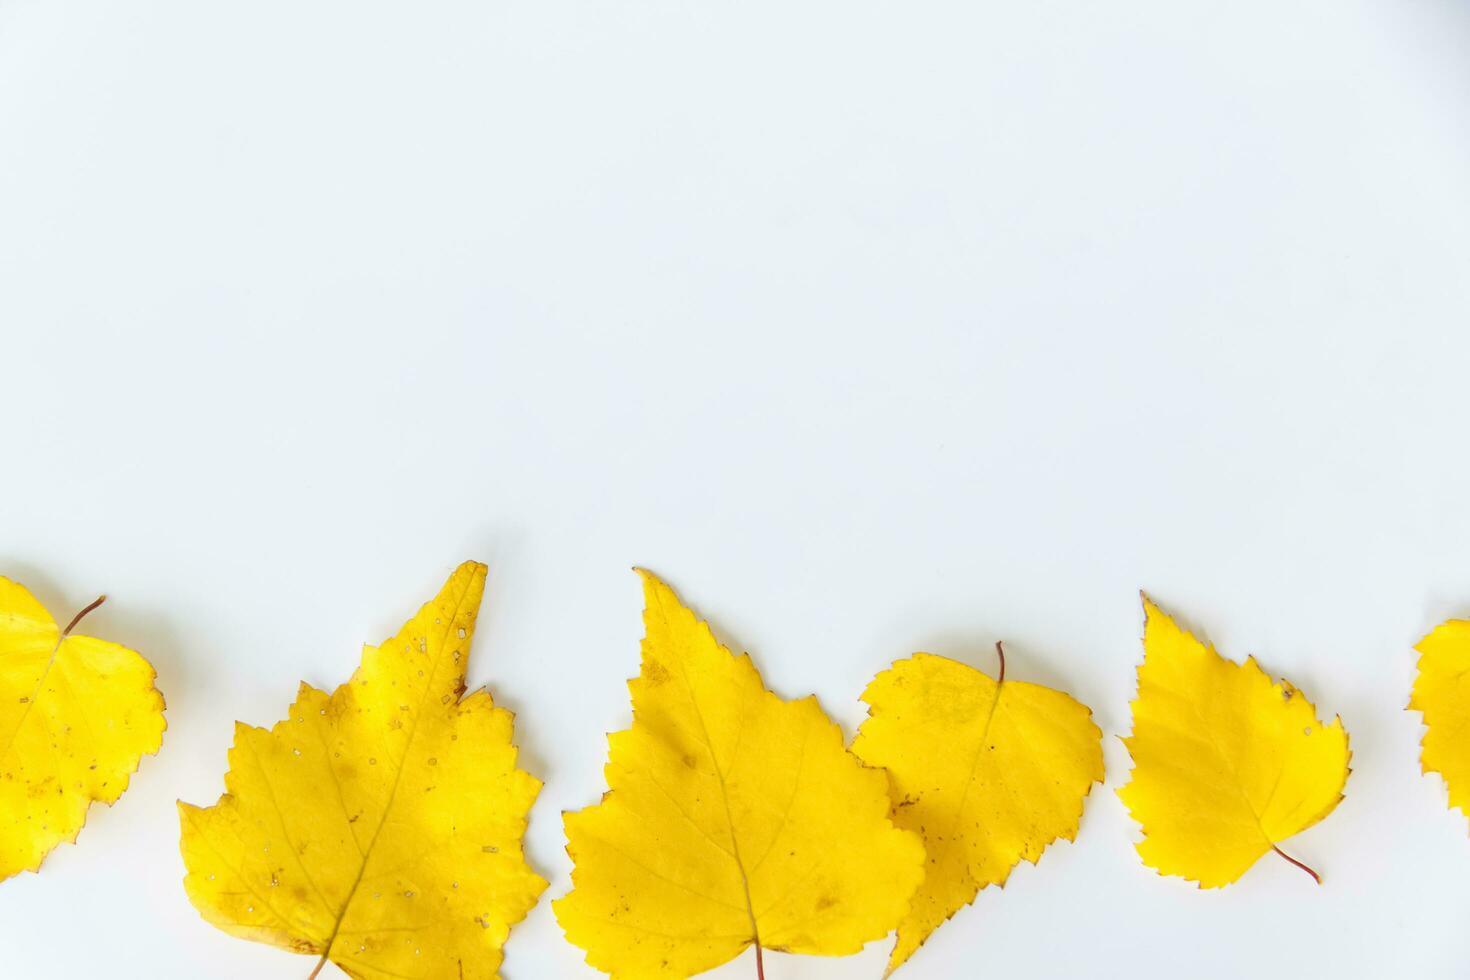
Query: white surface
point(872, 327)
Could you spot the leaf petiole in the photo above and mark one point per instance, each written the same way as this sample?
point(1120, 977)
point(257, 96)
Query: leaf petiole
point(78, 617)
point(1315, 876)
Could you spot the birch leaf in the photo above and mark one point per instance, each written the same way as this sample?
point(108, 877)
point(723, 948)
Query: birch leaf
point(1442, 693)
point(77, 714)
point(733, 819)
point(378, 827)
point(1226, 764)
point(989, 772)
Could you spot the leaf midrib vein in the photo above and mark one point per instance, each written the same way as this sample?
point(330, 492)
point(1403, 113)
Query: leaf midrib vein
point(724, 790)
point(35, 692)
point(959, 810)
point(397, 778)
point(1236, 783)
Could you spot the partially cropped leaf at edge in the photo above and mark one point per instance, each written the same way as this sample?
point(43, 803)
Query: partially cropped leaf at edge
point(77, 714)
point(1442, 694)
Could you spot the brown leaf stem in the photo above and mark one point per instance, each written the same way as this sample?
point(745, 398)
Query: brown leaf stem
point(78, 617)
point(1315, 876)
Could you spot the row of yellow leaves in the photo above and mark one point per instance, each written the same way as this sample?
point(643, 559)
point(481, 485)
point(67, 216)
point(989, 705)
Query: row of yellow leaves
point(379, 827)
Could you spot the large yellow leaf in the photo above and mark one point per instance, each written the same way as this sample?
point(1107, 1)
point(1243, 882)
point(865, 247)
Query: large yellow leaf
point(988, 771)
point(733, 818)
point(379, 827)
point(76, 716)
point(1442, 693)
point(1227, 765)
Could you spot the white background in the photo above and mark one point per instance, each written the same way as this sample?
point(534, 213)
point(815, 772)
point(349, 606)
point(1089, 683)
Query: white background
point(873, 327)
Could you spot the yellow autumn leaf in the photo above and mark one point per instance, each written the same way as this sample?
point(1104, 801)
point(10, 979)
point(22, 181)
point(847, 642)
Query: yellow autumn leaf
point(733, 818)
point(76, 716)
point(989, 772)
point(1226, 764)
point(1440, 692)
point(378, 827)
